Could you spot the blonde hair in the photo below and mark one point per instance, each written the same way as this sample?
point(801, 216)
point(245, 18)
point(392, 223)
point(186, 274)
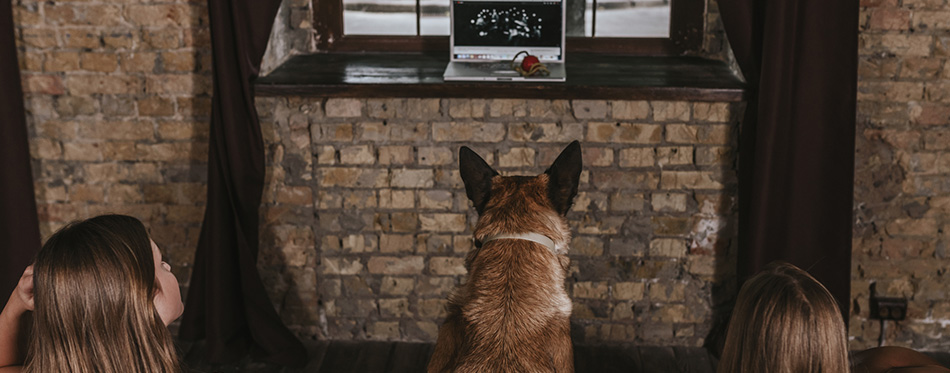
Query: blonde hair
point(785, 321)
point(94, 285)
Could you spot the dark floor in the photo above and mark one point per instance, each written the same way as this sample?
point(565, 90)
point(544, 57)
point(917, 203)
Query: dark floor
point(397, 357)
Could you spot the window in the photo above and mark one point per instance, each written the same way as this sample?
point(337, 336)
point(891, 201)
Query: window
point(643, 27)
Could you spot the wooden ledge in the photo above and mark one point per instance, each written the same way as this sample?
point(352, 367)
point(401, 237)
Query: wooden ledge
point(589, 76)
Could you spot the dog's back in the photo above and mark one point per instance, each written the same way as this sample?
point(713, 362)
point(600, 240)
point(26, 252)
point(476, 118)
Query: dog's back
point(512, 315)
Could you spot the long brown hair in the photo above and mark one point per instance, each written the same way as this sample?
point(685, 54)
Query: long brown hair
point(785, 321)
point(94, 285)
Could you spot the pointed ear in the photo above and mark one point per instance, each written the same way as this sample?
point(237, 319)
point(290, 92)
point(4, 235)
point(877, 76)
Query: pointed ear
point(477, 175)
point(564, 175)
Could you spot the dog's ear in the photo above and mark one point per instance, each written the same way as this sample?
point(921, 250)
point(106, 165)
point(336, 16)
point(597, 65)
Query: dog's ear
point(564, 175)
point(477, 175)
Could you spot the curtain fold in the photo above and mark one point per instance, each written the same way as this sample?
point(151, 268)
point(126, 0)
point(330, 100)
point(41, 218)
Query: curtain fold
point(19, 224)
point(228, 305)
point(796, 147)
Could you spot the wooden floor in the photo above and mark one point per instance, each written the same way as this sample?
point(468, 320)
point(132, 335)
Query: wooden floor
point(398, 357)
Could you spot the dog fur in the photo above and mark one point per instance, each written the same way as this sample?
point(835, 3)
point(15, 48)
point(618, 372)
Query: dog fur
point(513, 313)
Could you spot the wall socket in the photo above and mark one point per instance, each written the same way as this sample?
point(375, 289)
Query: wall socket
point(888, 308)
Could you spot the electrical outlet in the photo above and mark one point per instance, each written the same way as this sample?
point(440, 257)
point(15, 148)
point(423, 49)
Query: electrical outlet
point(888, 308)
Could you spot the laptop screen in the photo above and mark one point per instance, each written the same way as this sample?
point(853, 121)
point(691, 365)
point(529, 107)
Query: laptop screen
point(497, 30)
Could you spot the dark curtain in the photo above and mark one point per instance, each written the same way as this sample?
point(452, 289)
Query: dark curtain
point(227, 304)
point(796, 148)
point(19, 225)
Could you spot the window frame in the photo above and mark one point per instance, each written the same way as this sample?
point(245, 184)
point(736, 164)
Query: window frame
point(686, 34)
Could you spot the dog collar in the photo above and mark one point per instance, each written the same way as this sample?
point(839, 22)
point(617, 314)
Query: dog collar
point(533, 237)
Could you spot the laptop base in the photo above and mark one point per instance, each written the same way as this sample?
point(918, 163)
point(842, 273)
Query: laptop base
point(499, 72)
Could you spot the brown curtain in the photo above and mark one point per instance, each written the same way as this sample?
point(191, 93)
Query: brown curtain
point(796, 149)
point(19, 225)
point(227, 304)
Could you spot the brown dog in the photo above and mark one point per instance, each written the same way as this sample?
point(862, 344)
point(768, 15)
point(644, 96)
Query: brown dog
point(512, 315)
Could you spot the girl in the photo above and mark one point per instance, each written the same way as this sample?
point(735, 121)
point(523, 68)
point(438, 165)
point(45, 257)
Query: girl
point(785, 321)
point(101, 299)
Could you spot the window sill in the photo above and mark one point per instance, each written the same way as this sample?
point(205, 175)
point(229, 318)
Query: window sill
point(589, 76)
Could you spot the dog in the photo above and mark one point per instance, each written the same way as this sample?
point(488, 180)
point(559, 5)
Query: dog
point(513, 312)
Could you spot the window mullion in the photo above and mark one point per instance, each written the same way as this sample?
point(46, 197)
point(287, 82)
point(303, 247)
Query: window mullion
point(593, 20)
point(418, 18)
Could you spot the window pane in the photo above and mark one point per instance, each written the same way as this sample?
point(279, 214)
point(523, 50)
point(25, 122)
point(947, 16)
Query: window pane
point(631, 18)
point(379, 17)
point(435, 17)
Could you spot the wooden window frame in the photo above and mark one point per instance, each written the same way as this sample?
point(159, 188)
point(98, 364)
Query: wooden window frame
point(686, 34)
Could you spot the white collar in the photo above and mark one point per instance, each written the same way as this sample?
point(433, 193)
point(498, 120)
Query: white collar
point(533, 237)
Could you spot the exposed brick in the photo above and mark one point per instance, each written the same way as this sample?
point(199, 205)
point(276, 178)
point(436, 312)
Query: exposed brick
point(61, 61)
point(103, 84)
point(624, 133)
point(630, 110)
point(545, 132)
point(589, 109)
point(664, 111)
point(396, 265)
point(447, 266)
point(457, 131)
point(889, 19)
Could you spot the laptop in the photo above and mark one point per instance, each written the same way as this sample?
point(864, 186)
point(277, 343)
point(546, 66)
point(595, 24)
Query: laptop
point(486, 34)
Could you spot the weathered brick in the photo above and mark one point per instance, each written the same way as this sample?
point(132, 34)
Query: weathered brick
point(665, 111)
point(43, 84)
point(137, 61)
point(397, 285)
point(343, 107)
point(435, 199)
point(624, 133)
point(889, 19)
point(178, 84)
point(674, 156)
point(388, 265)
point(637, 157)
point(102, 84)
point(545, 132)
point(447, 266)
point(155, 106)
point(360, 154)
point(466, 108)
point(589, 109)
point(162, 15)
point(587, 245)
point(99, 62)
point(590, 289)
point(458, 131)
point(341, 266)
point(690, 180)
point(507, 107)
point(628, 290)
point(630, 110)
point(715, 112)
point(434, 156)
point(407, 178)
point(517, 157)
point(668, 247)
point(61, 61)
point(180, 61)
point(442, 222)
point(669, 202)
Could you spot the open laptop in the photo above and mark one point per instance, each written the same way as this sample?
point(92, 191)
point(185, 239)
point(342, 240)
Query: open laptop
point(486, 34)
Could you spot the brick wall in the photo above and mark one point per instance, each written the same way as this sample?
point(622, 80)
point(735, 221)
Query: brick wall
point(117, 95)
point(902, 188)
point(373, 185)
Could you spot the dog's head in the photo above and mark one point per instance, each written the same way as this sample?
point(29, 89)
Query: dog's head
point(516, 204)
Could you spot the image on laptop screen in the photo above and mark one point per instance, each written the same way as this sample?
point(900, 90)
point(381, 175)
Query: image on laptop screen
point(497, 30)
